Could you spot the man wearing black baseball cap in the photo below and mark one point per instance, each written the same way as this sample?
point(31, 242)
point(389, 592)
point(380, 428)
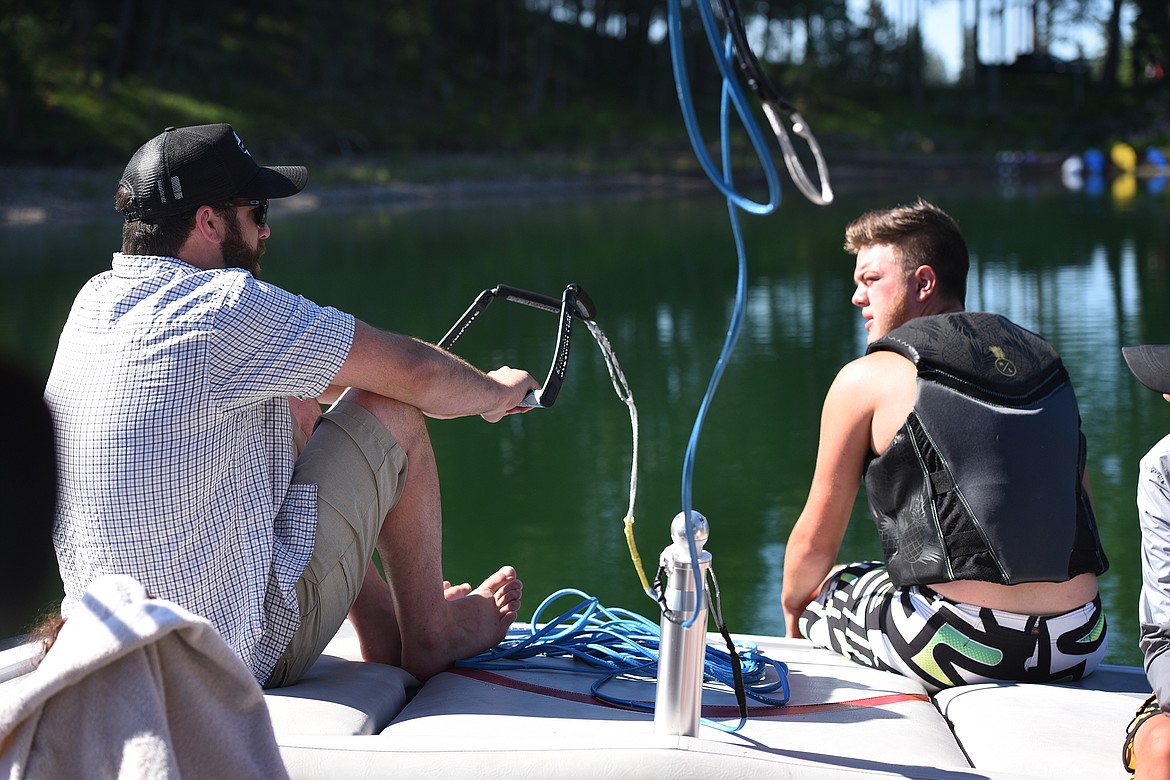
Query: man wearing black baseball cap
point(194, 454)
point(1147, 739)
point(181, 169)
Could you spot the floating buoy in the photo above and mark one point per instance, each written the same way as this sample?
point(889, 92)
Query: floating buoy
point(1123, 156)
point(1071, 171)
point(1094, 160)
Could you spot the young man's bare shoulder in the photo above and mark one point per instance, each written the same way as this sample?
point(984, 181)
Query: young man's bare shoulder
point(878, 387)
point(876, 368)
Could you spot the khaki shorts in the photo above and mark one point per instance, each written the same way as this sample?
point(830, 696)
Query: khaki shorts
point(360, 471)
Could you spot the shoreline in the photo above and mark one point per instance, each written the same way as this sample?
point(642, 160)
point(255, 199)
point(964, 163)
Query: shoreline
point(37, 194)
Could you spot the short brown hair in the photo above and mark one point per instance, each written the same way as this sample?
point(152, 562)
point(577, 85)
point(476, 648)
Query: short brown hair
point(920, 234)
point(163, 236)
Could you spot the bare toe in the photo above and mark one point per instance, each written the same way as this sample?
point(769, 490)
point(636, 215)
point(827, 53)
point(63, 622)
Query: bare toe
point(508, 597)
point(502, 576)
point(453, 592)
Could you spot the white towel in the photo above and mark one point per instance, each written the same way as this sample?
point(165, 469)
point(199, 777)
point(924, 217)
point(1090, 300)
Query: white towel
point(136, 687)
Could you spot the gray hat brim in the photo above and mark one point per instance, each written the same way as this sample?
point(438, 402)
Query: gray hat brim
point(1150, 363)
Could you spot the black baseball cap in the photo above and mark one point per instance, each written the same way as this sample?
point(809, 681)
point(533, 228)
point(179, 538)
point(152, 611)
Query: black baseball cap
point(1150, 363)
point(184, 168)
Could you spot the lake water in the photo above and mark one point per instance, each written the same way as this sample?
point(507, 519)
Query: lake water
point(548, 491)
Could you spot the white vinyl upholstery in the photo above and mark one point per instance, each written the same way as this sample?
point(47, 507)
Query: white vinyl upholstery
point(352, 720)
point(1079, 727)
point(339, 697)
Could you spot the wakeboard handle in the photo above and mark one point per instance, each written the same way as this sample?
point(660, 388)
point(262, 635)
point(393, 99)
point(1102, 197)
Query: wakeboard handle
point(574, 302)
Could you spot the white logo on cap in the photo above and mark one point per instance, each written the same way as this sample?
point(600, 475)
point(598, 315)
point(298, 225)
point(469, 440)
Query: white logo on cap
point(241, 143)
point(177, 187)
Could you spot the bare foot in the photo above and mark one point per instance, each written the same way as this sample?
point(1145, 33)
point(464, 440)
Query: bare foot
point(475, 622)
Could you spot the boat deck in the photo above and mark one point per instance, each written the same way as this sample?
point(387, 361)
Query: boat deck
point(349, 719)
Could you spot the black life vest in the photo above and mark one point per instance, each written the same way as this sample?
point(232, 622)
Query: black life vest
point(984, 479)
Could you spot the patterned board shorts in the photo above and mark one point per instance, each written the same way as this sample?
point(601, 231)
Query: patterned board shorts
point(862, 615)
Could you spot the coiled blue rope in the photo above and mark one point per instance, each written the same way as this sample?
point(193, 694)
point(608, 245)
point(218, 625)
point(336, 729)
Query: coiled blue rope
point(614, 642)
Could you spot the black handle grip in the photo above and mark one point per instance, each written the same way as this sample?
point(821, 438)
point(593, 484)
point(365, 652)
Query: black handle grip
point(574, 302)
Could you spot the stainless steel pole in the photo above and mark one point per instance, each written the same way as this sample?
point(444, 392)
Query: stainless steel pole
point(682, 650)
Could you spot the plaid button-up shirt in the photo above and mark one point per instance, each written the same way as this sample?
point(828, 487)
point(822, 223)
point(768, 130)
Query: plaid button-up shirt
point(169, 394)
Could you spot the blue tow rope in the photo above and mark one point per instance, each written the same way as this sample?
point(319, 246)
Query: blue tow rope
point(614, 642)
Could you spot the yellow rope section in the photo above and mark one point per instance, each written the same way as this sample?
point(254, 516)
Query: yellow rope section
point(637, 559)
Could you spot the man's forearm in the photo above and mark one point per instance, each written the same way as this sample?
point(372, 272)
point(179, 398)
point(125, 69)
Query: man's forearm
point(426, 377)
point(800, 587)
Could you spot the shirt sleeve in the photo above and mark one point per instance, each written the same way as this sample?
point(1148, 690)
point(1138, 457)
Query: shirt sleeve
point(1153, 501)
point(269, 342)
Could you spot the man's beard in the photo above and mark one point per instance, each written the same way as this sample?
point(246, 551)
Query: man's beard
point(237, 253)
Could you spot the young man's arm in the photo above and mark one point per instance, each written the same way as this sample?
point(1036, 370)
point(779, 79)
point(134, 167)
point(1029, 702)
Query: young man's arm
point(1153, 503)
point(846, 433)
point(428, 378)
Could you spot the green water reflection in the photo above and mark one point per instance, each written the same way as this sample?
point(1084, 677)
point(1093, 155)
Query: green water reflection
point(548, 491)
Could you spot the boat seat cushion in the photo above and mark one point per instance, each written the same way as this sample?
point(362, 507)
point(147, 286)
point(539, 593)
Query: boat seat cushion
point(999, 726)
point(339, 697)
point(839, 711)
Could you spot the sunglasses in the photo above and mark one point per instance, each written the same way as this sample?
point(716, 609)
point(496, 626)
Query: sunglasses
point(259, 213)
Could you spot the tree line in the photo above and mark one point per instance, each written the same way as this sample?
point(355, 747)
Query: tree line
point(91, 76)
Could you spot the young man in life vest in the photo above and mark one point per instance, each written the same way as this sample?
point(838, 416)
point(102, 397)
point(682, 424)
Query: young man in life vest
point(965, 429)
